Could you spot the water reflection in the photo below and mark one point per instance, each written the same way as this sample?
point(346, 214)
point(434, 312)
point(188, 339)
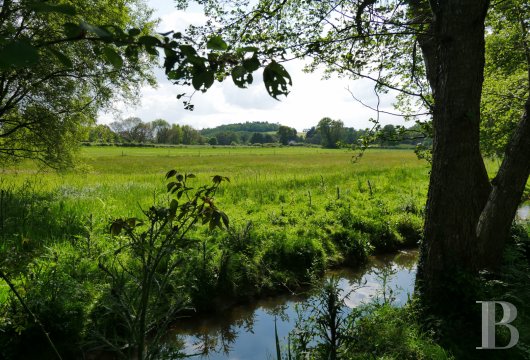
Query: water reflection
point(523, 213)
point(247, 332)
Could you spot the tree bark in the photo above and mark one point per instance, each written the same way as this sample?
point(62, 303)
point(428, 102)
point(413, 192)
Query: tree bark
point(495, 221)
point(459, 185)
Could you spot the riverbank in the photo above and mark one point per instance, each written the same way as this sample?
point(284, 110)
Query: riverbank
point(293, 213)
point(248, 329)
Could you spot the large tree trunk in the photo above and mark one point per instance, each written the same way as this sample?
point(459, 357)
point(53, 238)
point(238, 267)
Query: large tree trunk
point(467, 219)
point(459, 185)
point(495, 221)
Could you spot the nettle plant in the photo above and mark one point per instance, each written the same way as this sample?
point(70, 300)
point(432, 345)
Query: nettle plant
point(143, 298)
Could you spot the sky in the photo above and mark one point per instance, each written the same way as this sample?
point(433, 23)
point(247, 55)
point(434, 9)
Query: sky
point(311, 98)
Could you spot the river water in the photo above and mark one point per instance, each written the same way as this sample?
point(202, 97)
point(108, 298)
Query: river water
point(247, 331)
point(523, 213)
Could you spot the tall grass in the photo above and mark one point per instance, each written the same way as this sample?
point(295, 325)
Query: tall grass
point(268, 186)
point(293, 211)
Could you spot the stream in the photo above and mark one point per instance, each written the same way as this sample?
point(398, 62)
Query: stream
point(247, 331)
point(523, 213)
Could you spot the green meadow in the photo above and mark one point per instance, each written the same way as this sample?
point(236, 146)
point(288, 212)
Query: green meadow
point(278, 189)
point(293, 211)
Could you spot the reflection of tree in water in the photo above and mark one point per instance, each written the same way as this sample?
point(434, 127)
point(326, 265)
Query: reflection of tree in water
point(386, 271)
point(403, 260)
point(247, 322)
point(406, 259)
point(219, 336)
point(170, 349)
point(279, 311)
point(222, 339)
point(384, 274)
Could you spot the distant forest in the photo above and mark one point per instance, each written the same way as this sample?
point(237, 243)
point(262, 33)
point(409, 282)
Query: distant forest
point(328, 133)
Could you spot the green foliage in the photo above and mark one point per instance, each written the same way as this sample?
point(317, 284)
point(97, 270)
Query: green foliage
point(61, 72)
point(294, 259)
point(286, 134)
point(55, 287)
point(331, 132)
point(387, 332)
point(141, 271)
point(249, 127)
point(376, 330)
point(353, 244)
point(505, 88)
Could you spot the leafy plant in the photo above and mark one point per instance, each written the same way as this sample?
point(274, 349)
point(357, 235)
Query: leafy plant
point(323, 334)
point(142, 268)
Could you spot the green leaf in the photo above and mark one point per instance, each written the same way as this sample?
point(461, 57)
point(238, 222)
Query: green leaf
point(251, 64)
point(43, 7)
point(113, 30)
point(217, 179)
point(171, 185)
point(211, 226)
point(216, 43)
point(113, 57)
point(116, 227)
point(171, 173)
point(188, 50)
point(65, 60)
point(180, 177)
point(247, 49)
point(276, 79)
point(131, 52)
point(224, 217)
point(191, 176)
point(203, 79)
point(18, 53)
point(173, 205)
point(132, 222)
point(151, 50)
point(149, 41)
point(72, 30)
point(94, 29)
point(238, 76)
point(134, 32)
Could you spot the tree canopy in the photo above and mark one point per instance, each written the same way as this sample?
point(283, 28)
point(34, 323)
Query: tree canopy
point(506, 77)
point(50, 87)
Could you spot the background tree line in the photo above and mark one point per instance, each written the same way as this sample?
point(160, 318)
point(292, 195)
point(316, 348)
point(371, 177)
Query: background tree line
point(328, 133)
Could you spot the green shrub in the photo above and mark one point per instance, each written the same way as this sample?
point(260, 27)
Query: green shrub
point(410, 227)
point(387, 332)
point(300, 257)
point(239, 277)
point(61, 304)
point(354, 245)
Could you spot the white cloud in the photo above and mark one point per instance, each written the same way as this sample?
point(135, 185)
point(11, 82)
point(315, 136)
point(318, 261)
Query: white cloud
point(311, 98)
point(179, 20)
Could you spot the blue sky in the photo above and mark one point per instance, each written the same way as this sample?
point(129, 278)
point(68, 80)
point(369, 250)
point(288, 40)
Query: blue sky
point(311, 97)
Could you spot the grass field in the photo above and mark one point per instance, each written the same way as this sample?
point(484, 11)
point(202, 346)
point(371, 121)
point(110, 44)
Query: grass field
point(293, 213)
point(269, 186)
